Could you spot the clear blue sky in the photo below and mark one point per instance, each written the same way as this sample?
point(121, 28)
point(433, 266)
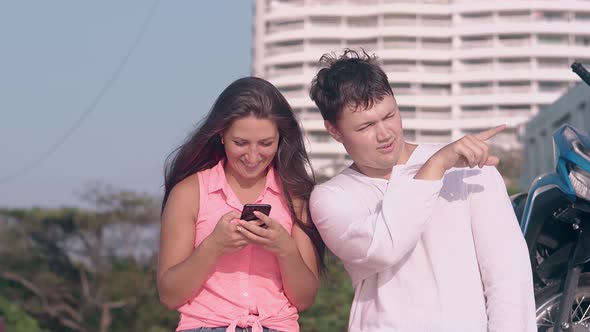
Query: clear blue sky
point(55, 56)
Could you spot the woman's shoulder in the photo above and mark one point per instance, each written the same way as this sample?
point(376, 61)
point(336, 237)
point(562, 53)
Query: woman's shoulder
point(187, 188)
point(184, 200)
point(201, 178)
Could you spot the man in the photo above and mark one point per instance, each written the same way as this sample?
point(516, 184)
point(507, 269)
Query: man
point(426, 232)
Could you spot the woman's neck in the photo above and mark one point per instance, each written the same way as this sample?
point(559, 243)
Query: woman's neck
point(245, 188)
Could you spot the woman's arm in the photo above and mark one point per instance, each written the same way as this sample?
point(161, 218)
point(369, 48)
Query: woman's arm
point(182, 268)
point(299, 269)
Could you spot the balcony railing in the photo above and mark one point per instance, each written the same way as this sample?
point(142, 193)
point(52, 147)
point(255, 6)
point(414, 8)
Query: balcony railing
point(552, 65)
point(434, 138)
point(514, 42)
point(515, 65)
point(285, 27)
point(277, 50)
point(399, 68)
point(325, 24)
point(285, 71)
point(399, 45)
point(435, 69)
point(294, 94)
point(435, 23)
point(478, 67)
point(434, 91)
point(477, 43)
point(408, 115)
point(514, 18)
point(436, 46)
point(476, 114)
point(399, 21)
point(433, 115)
point(477, 90)
point(405, 91)
point(513, 113)
point(477, 20)
point(514, 89)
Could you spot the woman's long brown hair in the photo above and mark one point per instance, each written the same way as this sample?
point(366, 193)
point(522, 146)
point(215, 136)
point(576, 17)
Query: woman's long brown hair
point(203, 149)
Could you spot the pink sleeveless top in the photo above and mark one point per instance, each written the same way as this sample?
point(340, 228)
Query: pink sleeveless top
point(245, 288)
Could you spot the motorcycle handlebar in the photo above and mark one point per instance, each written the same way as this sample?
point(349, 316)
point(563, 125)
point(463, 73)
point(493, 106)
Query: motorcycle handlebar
point(579, 69)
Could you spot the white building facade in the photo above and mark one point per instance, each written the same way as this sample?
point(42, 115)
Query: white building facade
point(455, 67)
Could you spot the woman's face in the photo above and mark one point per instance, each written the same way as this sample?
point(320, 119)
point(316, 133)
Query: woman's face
point(250, 146)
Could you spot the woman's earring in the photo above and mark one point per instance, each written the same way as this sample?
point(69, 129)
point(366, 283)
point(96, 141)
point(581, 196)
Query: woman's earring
point(222, 142)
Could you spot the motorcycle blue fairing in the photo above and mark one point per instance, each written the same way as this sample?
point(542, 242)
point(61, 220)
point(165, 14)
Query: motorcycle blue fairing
point(550, 190)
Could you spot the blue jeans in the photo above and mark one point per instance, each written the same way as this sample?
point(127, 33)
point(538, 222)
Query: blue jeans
point(222, 329)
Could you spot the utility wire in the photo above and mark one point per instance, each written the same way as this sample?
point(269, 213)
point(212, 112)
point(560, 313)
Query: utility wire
point(102, 92)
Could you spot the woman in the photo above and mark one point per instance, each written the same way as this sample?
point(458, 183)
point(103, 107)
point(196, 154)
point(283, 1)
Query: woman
point(226, 274)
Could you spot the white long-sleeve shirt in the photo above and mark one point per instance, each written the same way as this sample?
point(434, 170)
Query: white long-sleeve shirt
point(443, 255)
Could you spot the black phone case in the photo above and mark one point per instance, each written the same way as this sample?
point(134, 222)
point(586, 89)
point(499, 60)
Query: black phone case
point(248, 211)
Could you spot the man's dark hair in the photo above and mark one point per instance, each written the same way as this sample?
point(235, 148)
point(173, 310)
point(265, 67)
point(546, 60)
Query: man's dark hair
point(353, 80)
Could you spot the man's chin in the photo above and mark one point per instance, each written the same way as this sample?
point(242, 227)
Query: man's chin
point(388, 163)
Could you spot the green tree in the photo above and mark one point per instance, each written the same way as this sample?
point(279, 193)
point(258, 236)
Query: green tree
point(83, 270)
point(16, 319)
point(76, 270)
point(510, 167)
point(332, 305)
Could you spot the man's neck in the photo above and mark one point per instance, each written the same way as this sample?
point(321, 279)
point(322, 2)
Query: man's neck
point(406, 153)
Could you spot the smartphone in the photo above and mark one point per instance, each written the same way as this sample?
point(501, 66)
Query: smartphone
point(248, 211)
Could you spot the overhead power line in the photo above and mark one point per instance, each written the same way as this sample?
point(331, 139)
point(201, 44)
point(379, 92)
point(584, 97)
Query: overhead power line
point(91, 107)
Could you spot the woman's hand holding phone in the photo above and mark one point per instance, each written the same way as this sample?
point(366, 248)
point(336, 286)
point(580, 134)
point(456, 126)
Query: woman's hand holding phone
point(273, 238)
point(226, 237)
point(248, 211)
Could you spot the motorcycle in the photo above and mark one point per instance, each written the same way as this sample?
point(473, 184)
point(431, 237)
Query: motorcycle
point(555, 219)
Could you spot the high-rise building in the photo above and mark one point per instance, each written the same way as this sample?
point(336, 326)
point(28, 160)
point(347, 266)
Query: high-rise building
point(455, 67)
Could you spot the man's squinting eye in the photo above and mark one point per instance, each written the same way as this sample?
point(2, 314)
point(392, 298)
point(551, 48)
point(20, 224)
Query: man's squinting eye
point(364, 127)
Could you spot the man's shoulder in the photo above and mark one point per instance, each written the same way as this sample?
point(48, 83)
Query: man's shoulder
point(343, 185)
point(339, 196)
point(339, 182)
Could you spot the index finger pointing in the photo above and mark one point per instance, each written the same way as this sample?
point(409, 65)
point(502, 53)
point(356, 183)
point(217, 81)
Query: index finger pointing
point(487, 134)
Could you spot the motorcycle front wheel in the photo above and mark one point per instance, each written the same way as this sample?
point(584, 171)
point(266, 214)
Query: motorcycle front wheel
point(547, 302)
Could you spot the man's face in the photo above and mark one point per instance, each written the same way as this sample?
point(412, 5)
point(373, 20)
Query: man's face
point(372, 137)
